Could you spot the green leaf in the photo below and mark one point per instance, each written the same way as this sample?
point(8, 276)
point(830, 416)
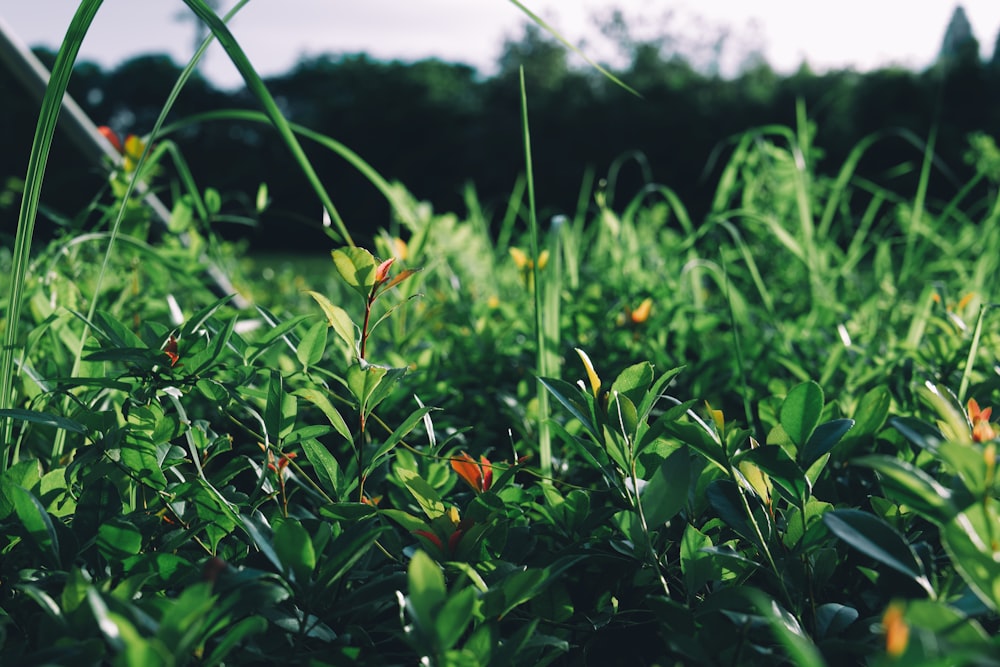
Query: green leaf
point(786, 629)
point(970, 540)
point(877, 539)
point(337, 318)
point(118, 539)
point(426, 589)
point(425, 495)
point(634, 381)
point(260, 533)
point(44, 418)
point(724, 497)
point(519, 587)
point(666, 492)
point(295, 549)
point(396, 437)
point(697, 566)
point(348, 511)
point(454, 617)
point(365, 381)
point(312, 345)
point(785, 474)
point(872, 411)
point(833, 618)
point(824, 438)
point(234, 636)
point(908, 485)
point(35, 520)
point(280, 409)
point(801, 411)
point(319, 399)
point(357, 267)
point(141, 457)
point(325, 464)
point(563, 391)
point(347, 549)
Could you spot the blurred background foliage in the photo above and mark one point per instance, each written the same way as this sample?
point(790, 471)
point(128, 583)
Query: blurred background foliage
point(438, 126)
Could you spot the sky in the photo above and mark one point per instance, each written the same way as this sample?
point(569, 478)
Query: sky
point(858, 34)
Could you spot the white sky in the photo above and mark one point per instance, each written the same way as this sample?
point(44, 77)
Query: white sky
point(861, 34)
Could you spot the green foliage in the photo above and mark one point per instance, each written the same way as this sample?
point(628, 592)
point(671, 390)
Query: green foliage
point(191, 481)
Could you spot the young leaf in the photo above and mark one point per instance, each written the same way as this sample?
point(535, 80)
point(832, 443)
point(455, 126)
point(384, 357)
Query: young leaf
point(800, 412)
point(357, 267)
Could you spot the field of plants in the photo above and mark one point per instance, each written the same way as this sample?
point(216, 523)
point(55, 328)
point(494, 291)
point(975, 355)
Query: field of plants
point(617, 436)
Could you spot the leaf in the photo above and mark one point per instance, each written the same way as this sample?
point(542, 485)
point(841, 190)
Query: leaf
point(562, 391)
point(970, 541)
point(872, 411)
point(824, 438)
point(295, 549)
point(877, 539)
point(141, 458)
point(320, 400)
point(519, 587)
point(801, 411)
point(118, 539)
point(833, 618)
point(35, 520)
point(784, 473)
point(786, 629)
point(44, 418)
point(371, 384)
point(454, 617)
point(426, 589)
point(595, 381)
point(260, 533)
point(337, 318)
point(396, 437)
point(908, 485)
point(724, 498)
point(666, 492)
point(234, 636)
point(697, 566)
point(425, 495)
point(312, 345)
point(357, 267)
point(325, 465)
point(634, 381)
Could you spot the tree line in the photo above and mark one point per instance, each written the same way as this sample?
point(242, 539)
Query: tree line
point(438, 126)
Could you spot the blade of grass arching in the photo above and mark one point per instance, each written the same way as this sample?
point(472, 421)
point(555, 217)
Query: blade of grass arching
point(737, 344)
point(973, 351)
point(391, 194)
point(842, 181)
point(751, 263)
point(506, 231)
point(803, 199)
point(573, 240)
point(256, 87)
point(913, 228)
point(541, 344)
point(134, 184)
point(48, 116)
point(538, 20)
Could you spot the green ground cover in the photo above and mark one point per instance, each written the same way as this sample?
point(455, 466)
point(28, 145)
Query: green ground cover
point(618, 437)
